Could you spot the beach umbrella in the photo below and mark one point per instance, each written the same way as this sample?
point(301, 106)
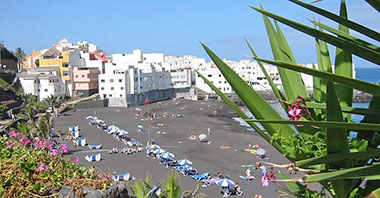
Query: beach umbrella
point(167, 156)
point(261, 153)
point(89, 117)
point(154, 146)
point(225, 183)
point(123, 132)
point(159, 151)
point(202, 136)
point(184, 162)
point(134, 143)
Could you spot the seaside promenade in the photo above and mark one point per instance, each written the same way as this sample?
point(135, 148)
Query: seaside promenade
point(195, 118)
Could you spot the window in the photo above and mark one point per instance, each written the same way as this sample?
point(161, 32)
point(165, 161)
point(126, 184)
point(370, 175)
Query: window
point(121, 95)
point(112, 88)
point(102, 80)
point(111, 80)
point(209, 75)
point(76, 76)
point(65, 74)
point(104, 95)
point(220, 75)
point(120, 80)
point(110, 95)
point(46, 90)
point(102, 88)
point(121, 88)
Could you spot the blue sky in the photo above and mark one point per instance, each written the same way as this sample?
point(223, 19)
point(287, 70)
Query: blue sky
point(175, 27)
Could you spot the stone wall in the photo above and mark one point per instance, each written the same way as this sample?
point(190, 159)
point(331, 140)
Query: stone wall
point(117, 190)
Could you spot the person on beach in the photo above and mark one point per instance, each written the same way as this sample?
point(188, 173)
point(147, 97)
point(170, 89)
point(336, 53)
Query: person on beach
point(219, 176)
point(248, 172)
point(208, 131)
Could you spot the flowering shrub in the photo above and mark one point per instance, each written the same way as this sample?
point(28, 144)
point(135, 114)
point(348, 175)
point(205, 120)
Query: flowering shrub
point(31, 168)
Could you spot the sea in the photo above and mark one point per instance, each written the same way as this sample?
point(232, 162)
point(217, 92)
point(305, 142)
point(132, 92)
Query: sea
point(371, 74)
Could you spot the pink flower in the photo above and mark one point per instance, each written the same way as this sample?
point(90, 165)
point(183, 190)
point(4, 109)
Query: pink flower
point(12, 133)
point(19, 135)
point(107, 176)
point(65, 149)
point(42, 167)
point(39, 143)
point(76, 159)
point(295, 112)
point(48, 144)
point(53, 152)
point(25, 141)
point(9, 144)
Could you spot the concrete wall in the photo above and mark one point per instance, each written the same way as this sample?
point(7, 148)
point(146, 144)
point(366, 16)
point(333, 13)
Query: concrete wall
point(92, 104)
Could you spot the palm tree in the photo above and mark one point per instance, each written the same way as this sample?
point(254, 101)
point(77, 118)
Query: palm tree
point(20, 55)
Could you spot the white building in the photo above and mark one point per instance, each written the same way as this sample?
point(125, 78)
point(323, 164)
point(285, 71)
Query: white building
point(43, 82)
point(129, 77)
point(212, 73)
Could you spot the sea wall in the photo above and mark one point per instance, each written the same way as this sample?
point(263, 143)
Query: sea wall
point(97, 103)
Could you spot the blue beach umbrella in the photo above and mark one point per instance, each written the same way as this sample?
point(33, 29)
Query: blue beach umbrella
point(167, 156)
point(225, 183)
point(159, 151)
point(184, 162)
point(154, 146)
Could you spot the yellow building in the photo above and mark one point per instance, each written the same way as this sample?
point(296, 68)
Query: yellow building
point(54, 57)
point(31, 59)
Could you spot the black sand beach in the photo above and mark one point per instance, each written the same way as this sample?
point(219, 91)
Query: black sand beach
point(205, 157)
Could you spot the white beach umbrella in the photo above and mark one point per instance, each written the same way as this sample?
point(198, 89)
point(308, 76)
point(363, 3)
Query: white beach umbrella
point(154, 146)
point(167, 156)
point(225, 183)
point(184, 162)
point(159, 151)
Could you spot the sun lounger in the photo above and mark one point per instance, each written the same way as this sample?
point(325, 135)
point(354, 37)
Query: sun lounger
point(95, 157)
point(114, 150)
point(80, 142)
point(190, 171)
point(75, 134)
point(73, 128)
point(201, 176)
point(121, 177)
point(250, 178)
point(94, 146)
point(181, 168)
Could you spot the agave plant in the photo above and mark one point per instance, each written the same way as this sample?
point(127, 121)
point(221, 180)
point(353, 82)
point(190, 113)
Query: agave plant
point(319, 142)
point(144, 189)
